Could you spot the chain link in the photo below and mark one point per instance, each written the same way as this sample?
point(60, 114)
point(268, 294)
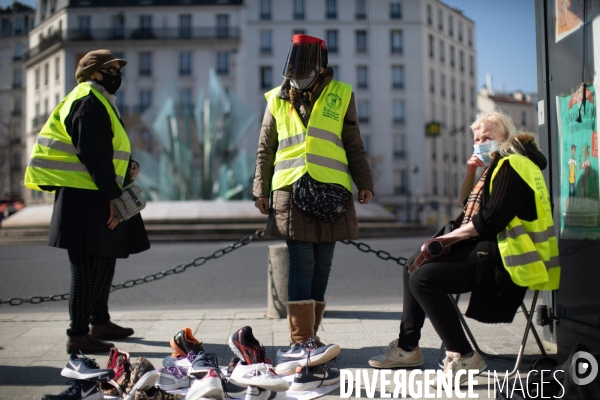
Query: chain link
point(384, 255)
point(196, 262)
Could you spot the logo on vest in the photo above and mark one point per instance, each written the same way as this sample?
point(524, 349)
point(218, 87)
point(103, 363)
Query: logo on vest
point(334, 103)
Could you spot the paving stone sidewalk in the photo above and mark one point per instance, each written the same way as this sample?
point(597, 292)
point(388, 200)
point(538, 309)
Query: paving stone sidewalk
point(32, 345)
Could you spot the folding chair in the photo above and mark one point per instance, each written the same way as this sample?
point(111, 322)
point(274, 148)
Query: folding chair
point(528, 315)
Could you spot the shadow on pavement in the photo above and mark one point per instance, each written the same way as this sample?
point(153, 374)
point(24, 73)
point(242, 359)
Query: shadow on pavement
point(370, 315)
point(31, 376)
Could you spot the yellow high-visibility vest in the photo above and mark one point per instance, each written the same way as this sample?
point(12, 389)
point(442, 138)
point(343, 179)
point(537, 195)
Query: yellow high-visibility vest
point(318, 148)
point(529, 249)
point(54, 160)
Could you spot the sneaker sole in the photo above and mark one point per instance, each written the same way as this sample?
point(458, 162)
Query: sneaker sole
point(300, 387)
point(200, 373)
point(331, 353)
point(147, 381)
point(174, 386)
point(234, 349)
point(375, 364)
point(69, 373)
point(267, 384)
point(286, 368)
point(112, 336)
point(176, 347)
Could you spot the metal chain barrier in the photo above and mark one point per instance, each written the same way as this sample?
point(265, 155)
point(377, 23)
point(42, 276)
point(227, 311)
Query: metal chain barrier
point(196, 262)
point(384, 255)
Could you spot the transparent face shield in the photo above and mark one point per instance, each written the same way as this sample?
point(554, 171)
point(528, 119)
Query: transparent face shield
point(303, 64)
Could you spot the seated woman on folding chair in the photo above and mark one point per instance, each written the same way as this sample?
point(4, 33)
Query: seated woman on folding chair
point(505, 243)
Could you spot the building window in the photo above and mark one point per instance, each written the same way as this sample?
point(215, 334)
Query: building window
point(145, 99)
point(145, 64)
point(440, 19)
point(471, 66)
point(443, 85)
point(18, 52)
point(460, 31)
point(431, 46)
point(362, 77)
point(523, 118)
point(57, 68)
point(474, 96)
point(429, 15)
point(399, 146)
point(265, 9)
point(223, 26)
point(462, 92)
point(266, 77)
point(450, 26)
point(361, 9)
point(400, 182)
point(46, 73)
point(361, 41)
point(299, 9)
point(266, 42)
point(397, 77)
point(17, 106)
point(366, 143)
point(396, 42)
point(398, 112)
point(299, 32)
point(452, 59)
point(185, 98)
point(453, 92)
point(37, 79)
point(363, 111)
point(17, 78)
point(222, 63)
point(185, 26)
point(432, 81)
point(118, 26)
point(331, 40)
point(46, 107)
point(470, 36)
point(83, 25)
point(331, 9)
point(185, 63)
point(442, 51)
point(145, 28)
point(461, 61)
point(396, 10)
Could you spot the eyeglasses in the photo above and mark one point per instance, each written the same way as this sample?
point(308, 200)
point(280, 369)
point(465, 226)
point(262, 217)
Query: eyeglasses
point(114, 71)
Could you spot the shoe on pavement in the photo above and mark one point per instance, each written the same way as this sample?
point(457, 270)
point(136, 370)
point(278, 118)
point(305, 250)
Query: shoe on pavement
point(245, 346)
point(396, 357)
point(143, 377)
point(180, 362)
point(208, 387)
point(232, 390)
point(259, 375)
point(455, 362)
point(110, 331)
point(79, 390)
point(232, 364)
point(156, 394)
point(304, 354)
point(87, 344)
point(256, 393)
point(309, 378)
point(86, 368)
point(172, 378)
point(184, 342)
point(119, 361)
point(203, 363)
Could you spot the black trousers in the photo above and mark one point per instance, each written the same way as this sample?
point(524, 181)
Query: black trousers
point(91, 278)
point(426, 293)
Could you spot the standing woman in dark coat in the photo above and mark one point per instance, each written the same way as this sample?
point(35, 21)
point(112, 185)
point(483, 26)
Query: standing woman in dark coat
point(87, 126)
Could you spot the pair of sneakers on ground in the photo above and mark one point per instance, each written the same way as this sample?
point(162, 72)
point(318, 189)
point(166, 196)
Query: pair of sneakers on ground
point(396, 357)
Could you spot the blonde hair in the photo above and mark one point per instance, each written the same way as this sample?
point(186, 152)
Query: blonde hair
point(503, 124)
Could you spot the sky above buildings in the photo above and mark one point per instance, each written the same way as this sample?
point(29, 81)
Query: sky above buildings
point(505, 35)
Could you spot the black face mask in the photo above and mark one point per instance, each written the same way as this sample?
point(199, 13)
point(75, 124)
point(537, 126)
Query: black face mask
point(110, 82)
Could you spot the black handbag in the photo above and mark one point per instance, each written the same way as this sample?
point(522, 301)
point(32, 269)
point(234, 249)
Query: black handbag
point(324, 201)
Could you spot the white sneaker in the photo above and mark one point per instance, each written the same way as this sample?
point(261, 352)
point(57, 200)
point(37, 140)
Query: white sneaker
point(260, 375)
point(454, 362)
point(179, 362)
point(172, 378)
point(209, 386)
point(396, 357)
point(256, 393)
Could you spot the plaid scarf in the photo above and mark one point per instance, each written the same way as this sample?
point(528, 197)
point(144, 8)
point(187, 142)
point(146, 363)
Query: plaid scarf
point(474, 200)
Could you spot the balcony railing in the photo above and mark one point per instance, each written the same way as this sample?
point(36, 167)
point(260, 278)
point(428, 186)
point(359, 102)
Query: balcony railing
point(209, 33)
point(16, 112)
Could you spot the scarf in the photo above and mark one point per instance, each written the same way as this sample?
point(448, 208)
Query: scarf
point(112, 99)
point(474, 200)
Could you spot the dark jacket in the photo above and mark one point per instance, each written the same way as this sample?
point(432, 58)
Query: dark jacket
point(79, 219)
point(495, 297)
point(285, 220)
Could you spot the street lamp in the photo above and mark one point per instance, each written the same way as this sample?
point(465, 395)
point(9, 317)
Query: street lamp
point(414, 169)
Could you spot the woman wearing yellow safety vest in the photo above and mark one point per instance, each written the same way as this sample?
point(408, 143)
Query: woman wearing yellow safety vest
point(508, 244)
point(83, 154)
point(309, 131)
